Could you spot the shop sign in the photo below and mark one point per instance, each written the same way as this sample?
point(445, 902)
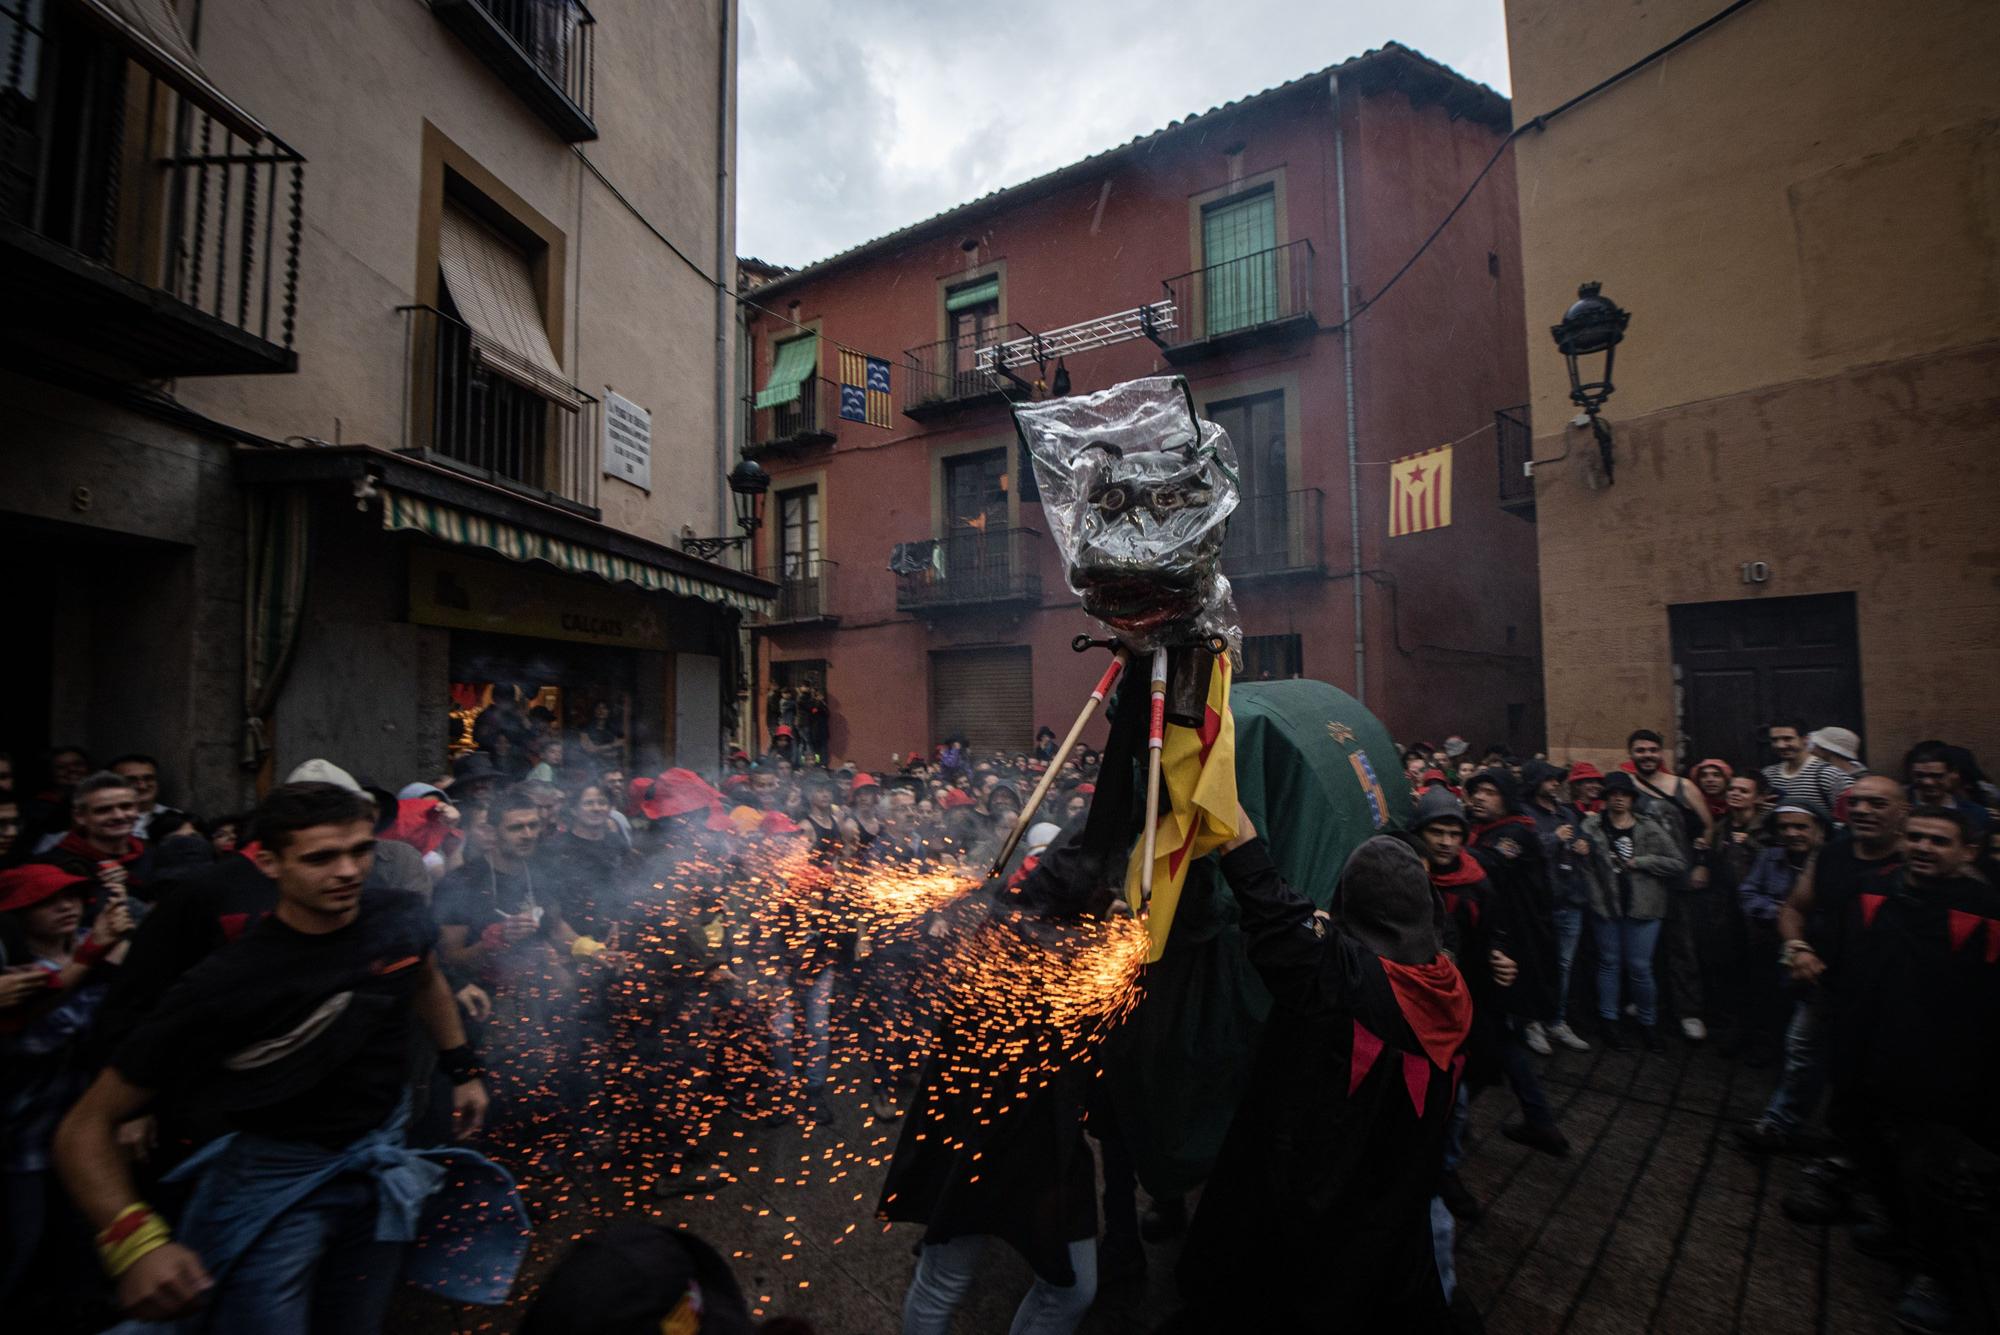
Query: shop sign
point(628, 441)
point(519, 600)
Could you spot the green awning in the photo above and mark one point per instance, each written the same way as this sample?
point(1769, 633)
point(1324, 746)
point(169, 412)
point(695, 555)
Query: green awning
point(404, 512)
point(796, 359)
point(973, 294)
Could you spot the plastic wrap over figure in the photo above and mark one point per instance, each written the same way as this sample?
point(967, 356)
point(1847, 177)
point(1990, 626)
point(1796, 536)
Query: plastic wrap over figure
point(1138, 491)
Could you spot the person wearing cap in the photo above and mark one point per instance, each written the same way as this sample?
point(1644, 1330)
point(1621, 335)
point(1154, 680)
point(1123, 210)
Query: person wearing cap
point(1797, 775)
point(1841, 750)
point(1759, 895)
point(298, 1040)
point(1560, 827)
point(46, 1005)
point(1317, 1215)
point(1635, 861)
point(474, 777)
point(784, 745)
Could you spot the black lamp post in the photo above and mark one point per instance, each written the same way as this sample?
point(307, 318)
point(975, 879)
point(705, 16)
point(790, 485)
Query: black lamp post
point(748, 483)
point(1592, 327)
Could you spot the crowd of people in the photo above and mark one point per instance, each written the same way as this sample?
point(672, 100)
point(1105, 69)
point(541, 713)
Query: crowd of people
point(170, 984)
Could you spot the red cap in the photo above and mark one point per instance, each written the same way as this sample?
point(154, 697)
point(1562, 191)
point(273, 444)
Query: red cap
point(678, 792)
point(782, 730)
point(1087, 789)
point(1583, 769)
point(955, 797)
point(777, 822)
point(25, 887)
point(865, 780)
point(738, 753)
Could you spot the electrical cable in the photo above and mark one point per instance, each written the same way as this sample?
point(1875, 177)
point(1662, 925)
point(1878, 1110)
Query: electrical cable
point(1538, 123)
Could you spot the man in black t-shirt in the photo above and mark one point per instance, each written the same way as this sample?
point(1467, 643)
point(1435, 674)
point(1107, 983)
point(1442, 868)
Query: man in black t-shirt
point(298, 1036)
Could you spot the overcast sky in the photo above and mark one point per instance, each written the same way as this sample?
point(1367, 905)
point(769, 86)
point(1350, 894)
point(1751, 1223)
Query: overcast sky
point(858, 117)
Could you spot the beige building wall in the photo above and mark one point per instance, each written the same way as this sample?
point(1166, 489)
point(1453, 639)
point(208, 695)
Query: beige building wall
point(1800, 208)
point(360, 89)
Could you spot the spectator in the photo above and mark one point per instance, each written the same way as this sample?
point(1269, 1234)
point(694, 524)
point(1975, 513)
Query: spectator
point(1761, 894)
point(99, 845)
point(225, 833)
point(1683, 809)
point(143, 774)
point(393, 865)
point(1947, 776)
point(46, 1005)
point(298, 1218)
point(1567, 854)
point(1798, 775)
point(1867, 859)
point(1841, 750)
point(1586, 787)
point(1635, 861)
point(548, 766)
point(1712, 777)
point(601, 741)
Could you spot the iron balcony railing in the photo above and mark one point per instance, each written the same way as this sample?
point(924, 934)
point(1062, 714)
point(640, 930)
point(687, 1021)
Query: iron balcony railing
point(101, 157)
point(807, 420)
point(805, 590)
point(972, 567)
point(947, 372)
point(1515, 442)
point(546, 50)
point(459, 412)
point(1277, 533)
point(1241, 296)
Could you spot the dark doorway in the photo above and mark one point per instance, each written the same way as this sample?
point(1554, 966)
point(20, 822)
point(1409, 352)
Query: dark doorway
point(1739, 665)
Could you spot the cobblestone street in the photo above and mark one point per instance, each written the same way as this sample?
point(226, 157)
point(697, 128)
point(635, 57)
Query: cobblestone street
point(1655, 1222)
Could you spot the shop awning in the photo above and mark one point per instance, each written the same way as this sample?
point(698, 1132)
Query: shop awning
point(151, 31)
point(795, 360)
point(494, 292)
point(975, 294)
point(403, 512)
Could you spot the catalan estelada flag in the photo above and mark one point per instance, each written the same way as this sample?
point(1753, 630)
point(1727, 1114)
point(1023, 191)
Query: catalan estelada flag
point(1420, 492)
point(864, 389)
point(1198, 774)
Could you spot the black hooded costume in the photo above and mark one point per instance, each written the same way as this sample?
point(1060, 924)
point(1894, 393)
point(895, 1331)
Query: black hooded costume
point(1317, 1216)
point(1521, 904)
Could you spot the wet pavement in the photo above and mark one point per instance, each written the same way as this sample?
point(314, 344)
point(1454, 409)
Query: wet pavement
point(1655, 1222)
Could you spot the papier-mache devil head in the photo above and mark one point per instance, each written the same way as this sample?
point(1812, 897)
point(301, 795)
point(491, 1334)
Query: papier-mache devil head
point(1138, 490)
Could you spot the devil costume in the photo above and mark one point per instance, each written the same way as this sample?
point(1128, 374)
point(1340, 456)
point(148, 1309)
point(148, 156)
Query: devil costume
point(1317, 1216)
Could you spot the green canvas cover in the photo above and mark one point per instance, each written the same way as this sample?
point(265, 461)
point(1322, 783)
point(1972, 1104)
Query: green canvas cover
point(1318, 774)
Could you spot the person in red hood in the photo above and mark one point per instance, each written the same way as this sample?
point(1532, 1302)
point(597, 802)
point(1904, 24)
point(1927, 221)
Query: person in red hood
point(100, 844)
point(1712, 777)
point(1586, 787)
point(1317, 1215)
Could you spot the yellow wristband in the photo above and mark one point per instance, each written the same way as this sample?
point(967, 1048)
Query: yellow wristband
point(149, 1236)
point(584, 947)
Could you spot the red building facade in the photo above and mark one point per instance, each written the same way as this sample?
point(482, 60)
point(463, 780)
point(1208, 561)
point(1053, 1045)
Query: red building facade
point(922, 593)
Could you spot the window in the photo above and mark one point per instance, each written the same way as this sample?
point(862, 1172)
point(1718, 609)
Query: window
point(498, 379)
point(792, 390)
point(1272, 658)
point(976, 540)
point(798, 531)
point(1256, 427)
point(972, 321)
point(1239, 257)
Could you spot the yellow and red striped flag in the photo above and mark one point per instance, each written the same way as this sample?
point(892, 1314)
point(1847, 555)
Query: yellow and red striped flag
point(1420, 492)
point(1198, 772)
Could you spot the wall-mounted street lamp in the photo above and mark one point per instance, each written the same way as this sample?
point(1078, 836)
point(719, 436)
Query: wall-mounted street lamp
point(1591, 328)
point(748, 483)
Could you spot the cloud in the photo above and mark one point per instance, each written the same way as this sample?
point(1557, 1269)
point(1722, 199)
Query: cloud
point(855, 119)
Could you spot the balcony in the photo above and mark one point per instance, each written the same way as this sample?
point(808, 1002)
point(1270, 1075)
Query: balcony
point(1515, 442)
point(545, 50)
point(944, 376)
point(805, 594)
point(806, 423)
point(1275, 534)
point(141, 235)
point(462, 413)
point(1261, 298)
point(971, 570)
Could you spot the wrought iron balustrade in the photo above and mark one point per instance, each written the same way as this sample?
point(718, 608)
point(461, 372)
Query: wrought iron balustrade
point(1267, 292)
point(946, 372)
point(808, 420)
point(1276, 533)
point(971, 568)
point(805, 590)
point(546, 50)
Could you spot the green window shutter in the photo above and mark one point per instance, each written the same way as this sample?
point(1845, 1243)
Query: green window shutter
point(1240, 262)
point(795, 361)
point(973, 294)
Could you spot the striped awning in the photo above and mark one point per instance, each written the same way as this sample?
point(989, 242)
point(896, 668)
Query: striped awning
point(402, 512)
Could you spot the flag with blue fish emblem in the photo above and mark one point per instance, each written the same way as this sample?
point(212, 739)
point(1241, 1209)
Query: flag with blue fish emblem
point(864, 389)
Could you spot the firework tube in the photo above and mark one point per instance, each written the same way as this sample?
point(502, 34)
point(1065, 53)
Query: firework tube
point(1156, 728)
point(1034, 802)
